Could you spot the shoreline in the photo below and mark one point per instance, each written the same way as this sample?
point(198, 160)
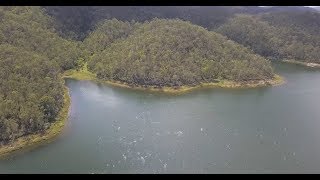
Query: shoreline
point(34, 140)
point(305, 64)
point(88, 76)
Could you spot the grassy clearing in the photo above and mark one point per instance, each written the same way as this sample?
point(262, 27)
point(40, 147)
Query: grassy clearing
point(82, 74)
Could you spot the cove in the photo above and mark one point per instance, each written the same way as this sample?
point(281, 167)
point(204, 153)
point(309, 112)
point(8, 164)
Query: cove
point(117, 130)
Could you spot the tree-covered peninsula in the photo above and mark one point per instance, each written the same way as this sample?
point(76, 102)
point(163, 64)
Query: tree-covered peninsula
point(160, 48)
point(32, 57)
point(171, 53)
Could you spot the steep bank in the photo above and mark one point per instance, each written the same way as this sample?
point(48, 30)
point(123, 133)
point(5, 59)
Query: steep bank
point(32, 57)
point(33, 140)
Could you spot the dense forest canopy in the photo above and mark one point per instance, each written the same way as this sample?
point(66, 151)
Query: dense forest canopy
point(77, 21)
point(174, 53)
point(158, 46)
point(281, 35)
point(106, 32)
point(31, 57)
point(30, 92)
point(31, 29)
point(297, 21)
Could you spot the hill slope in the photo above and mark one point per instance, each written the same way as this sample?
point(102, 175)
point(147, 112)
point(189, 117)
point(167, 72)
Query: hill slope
point(77, 21)
point(175, 53)
point(31, 57)
point(281, 35)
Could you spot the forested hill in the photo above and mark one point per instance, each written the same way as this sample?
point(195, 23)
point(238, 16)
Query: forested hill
point(29, 28)
point(77, 21)
point(275, 32)
point(31, 57)
point(182, 46)
point(171, 53)
point(278, 35)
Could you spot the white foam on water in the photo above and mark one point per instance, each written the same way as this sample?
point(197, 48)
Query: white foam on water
point(179, 133)
point(165, 166)
point(143, 160)
point(285, 158)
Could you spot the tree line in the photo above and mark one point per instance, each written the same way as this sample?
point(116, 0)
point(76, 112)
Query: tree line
point(182, 46)
point(32, 56)
point(282, 35)
point(170, 53)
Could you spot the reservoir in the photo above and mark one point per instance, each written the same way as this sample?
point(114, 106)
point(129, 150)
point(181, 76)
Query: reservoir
point(118, 130)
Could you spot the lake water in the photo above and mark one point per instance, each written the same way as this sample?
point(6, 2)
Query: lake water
point(116, 130)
